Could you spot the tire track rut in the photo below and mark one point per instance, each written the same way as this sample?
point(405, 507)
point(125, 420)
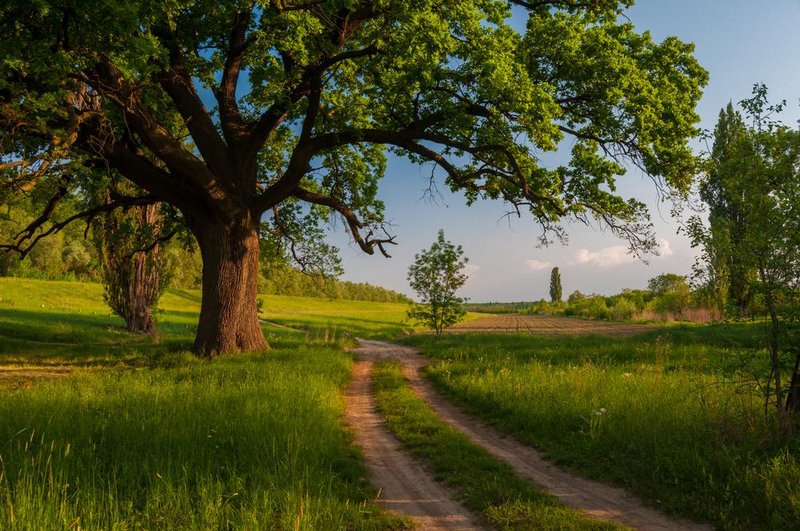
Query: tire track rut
point(405, 487)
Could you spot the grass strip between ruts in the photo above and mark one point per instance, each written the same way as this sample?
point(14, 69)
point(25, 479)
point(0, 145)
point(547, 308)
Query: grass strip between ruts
point(483, 483)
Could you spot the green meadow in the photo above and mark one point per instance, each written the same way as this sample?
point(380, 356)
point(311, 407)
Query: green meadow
point(671, 415)
point(103, 429)
point(142, 435)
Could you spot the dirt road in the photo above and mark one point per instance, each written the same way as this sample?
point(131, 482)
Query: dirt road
point(595, 499)
point(405, 486)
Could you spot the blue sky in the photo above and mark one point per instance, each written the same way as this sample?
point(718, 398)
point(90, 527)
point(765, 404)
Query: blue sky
point(740, 43)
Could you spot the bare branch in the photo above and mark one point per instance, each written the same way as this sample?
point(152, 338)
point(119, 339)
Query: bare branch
point(366, 243)
point(35, 231)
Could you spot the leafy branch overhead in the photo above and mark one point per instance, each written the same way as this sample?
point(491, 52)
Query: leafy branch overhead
point(227, 110)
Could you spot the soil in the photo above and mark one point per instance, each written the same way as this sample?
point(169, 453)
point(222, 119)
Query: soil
point(404, 486)
point(548, 325)
point(409, 489)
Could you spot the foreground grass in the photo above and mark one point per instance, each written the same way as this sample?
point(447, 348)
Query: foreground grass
point(143, 435)
point(659, 414)
point(250, 441)
point(486, 485)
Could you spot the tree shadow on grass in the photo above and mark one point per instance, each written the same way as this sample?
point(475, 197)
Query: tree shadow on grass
point(53, 339)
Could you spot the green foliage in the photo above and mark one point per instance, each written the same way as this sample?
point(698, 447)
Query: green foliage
point(676, 424)
point(294, 236)
point(283, 279)
point(134, 274)
point(667, 282)
point(331, 88)
point(65, 255)
point(435, 276)
point(555, 285)
point(624, 309)
point(487, 485)
point(296, 260)
point(753, 240)
point(723, 243)
point(672, 294)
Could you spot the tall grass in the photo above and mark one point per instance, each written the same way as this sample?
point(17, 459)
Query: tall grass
point(143, 435)
point(665, 415)
point(250, 441)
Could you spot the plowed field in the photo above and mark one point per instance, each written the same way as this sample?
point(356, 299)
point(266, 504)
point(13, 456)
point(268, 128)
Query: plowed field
point(548, 325)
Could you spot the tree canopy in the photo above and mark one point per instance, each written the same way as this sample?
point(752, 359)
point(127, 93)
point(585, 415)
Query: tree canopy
point(751, 246)
point(227, 110)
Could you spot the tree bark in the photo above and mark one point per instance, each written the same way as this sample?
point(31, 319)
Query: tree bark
point(228, 315)
point(143, 288)
point(793, 394)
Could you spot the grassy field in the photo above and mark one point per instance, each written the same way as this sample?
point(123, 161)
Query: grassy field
point(144, 435)
point(664, 414)
point(355, 318)
point(47, 322)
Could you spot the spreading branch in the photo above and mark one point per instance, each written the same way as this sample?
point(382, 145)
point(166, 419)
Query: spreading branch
point(367, 243)
point(43, 226)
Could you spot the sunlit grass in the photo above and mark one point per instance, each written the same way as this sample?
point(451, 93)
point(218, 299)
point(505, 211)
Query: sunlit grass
point(47, 322)
point(658, 414)
point(353, 318)
point(143, 435)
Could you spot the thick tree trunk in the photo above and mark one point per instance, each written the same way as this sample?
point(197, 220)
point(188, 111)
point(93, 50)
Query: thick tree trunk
point(228, 315)
point(793, 394)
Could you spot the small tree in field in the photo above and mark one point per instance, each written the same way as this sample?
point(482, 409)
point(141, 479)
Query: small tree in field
point(555, 285)
point(435, 276)
point(133, 271)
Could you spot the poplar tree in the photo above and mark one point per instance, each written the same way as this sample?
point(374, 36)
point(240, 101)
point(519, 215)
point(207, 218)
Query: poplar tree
point(555, 285)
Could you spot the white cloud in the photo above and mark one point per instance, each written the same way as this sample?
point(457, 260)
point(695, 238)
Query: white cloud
point(664, 248)
point(538, 265)
point(617, 255)
point(606, 257)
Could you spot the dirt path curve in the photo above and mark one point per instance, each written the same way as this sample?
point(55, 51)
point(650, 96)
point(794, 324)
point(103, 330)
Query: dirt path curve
point(405, 486)
point(595, 499)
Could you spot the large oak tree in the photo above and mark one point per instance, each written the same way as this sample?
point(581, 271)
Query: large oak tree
point(227, 110)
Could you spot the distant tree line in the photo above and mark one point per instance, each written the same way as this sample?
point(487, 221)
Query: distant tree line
point(76, 253)
point(667, 297)
point(288, 280)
